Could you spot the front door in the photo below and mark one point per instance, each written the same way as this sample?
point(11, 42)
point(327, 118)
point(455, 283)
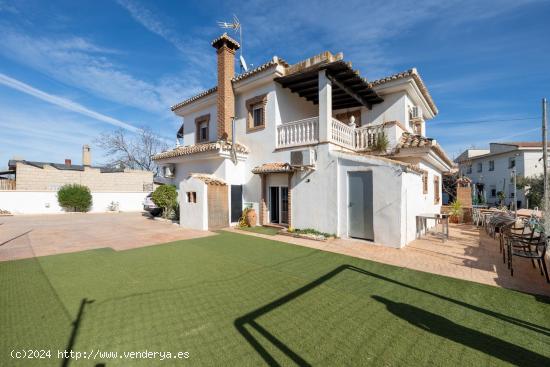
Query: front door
point(360, 210)
point(278, 204)
point(274, 204)
point(236, 202)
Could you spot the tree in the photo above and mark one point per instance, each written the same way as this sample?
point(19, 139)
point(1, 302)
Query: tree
point(534, 189)
point(166, 197)
point(75, 197)
point(133, 151)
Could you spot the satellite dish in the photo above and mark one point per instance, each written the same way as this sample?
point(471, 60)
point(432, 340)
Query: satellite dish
point(243, 63)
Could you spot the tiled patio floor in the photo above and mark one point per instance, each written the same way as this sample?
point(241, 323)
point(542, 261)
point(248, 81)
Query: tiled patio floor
point(469, 254)
point(39, 235)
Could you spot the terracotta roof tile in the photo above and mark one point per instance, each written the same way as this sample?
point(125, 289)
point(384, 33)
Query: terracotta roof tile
point(416, 76)
point(409, 140)
point(226, 37)
point(208, 179)
point(275, 167)
point(525, 144)
point(274, 62)
point(194, 98)
point(200, 148)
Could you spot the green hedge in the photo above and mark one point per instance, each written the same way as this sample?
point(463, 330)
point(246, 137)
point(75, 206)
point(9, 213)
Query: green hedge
point(166, 197)
point(75, 197)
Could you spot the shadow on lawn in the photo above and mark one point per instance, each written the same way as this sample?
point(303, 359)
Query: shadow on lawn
point(497, 348)
point(474, 339)
point(74, 332)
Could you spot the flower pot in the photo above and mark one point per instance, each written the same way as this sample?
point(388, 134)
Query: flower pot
point(251, 218)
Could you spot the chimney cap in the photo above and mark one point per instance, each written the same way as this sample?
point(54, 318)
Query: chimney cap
point(224, 39)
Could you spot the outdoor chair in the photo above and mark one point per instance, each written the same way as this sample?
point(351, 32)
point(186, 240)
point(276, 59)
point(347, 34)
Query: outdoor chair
point(534, 249)
point(513, 231)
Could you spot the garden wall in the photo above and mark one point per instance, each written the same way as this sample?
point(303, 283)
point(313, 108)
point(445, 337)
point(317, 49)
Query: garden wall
point(45, 202)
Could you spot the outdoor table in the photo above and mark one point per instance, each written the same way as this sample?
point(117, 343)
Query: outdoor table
point(421, 224)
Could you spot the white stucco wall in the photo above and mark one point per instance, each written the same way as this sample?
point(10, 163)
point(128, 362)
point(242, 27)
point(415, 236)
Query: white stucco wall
point(527, 165)
point(195, 214)
point(45, 202)
point(319, 197)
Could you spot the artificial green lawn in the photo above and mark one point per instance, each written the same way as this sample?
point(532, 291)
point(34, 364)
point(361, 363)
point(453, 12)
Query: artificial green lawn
point(238, 300)
point(270, 231)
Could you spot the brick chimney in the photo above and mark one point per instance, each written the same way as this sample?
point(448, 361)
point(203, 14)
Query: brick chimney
point(67, 162)
point(86, 155)
point(226, 47)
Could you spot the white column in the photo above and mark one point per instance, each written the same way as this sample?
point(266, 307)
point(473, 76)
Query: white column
point(325, 107)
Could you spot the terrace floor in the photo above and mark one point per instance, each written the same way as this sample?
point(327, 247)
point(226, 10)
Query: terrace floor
point(469, 254)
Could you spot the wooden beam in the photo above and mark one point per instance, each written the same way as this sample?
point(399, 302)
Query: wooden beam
point(357, 97)
point(302, 84)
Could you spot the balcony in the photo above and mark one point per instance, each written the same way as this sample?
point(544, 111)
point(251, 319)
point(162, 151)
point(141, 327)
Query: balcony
point(306, 132)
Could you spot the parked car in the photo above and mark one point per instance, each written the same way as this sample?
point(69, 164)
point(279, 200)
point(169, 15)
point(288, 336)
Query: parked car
point(150, 207)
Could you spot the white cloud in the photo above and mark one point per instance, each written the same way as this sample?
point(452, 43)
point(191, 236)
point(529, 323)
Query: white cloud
point(195, 49)
point(62, 102)
point(82, 64)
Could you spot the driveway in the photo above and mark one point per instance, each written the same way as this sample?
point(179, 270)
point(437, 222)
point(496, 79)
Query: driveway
point(39, 235)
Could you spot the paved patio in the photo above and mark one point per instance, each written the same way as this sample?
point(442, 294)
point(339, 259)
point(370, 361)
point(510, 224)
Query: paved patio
point(39, 235)
point(469, 254)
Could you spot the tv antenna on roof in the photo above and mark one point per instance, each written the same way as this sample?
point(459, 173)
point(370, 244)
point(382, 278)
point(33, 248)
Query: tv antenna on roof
point(237, 27)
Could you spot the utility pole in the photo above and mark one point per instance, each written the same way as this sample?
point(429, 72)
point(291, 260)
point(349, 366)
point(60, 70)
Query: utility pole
point(545, 170)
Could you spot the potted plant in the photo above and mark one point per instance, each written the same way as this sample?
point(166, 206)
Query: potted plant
point(455, 212)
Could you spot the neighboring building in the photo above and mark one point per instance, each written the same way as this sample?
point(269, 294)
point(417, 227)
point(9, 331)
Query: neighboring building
point(492, 170)
point(307, 149)
point(46, 176)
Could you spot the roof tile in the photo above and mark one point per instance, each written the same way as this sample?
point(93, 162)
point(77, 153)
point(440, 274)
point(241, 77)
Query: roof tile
point(200, 148)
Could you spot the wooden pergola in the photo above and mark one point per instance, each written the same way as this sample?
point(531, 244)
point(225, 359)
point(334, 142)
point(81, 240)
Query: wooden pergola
point(349, 89)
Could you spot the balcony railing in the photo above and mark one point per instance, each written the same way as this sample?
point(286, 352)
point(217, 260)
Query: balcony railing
point(296, 133)
point(306, 132)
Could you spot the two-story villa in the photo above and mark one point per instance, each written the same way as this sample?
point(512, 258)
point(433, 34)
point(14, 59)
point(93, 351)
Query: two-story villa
point(309, 145)
point(492, 170)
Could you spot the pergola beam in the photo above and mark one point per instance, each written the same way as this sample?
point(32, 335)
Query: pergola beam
point(356, 96)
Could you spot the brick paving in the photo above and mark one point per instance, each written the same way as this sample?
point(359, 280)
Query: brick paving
point(469, 254)
point(27, 236)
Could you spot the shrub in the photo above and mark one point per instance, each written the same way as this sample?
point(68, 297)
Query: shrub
point(455, 210)
point(381, 144)
point(166, 197)
point(75, 197)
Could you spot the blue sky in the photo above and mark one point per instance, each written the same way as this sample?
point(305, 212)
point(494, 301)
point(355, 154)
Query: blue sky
point(70, 70)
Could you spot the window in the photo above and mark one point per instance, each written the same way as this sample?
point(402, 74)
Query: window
point(256, 113)
point(493, 193)
point(425, 182)
point(480, 167)
point(491, 165)
point(258, 116)
point(469, 168)
point(512, 194)
point(436, 190)
point(191, 197)
point(201, 124)
point(512, 163)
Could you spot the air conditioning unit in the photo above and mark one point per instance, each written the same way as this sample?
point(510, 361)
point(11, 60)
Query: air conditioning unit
point(302, 158)
point(416, 112)
point(169, 171)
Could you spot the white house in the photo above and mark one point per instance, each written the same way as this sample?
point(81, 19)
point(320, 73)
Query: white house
point(492, 170)
point(309, 145)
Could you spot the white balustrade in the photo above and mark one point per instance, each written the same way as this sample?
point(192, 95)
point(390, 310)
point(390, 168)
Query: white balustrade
point(296, 133)
point(367, 136)
point(306, 132)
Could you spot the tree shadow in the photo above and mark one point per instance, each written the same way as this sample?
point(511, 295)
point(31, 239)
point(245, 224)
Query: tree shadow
point(471, 338)
point(250, 318)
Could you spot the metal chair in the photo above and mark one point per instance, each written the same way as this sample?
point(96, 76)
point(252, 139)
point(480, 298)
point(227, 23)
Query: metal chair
point(534, 250)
